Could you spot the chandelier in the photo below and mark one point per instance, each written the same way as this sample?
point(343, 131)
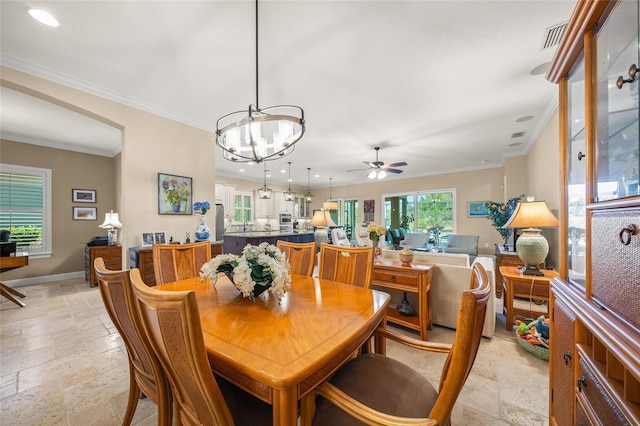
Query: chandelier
point(330, 205)
point(308, 198)
point(264, 193)
point(260, 134)
point(288, 195)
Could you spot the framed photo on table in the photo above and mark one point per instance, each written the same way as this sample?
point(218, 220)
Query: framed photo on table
point(477, 209)
point(174, 194)
point(85, 213)
point(159, 238)
point(83, 195)
point(146, 239)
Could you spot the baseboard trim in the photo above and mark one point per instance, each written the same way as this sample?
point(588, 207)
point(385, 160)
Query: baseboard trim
point(43, 279)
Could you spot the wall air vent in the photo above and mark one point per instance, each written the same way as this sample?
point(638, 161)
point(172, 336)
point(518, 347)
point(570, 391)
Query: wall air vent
point(553, 35)
point(517, 135)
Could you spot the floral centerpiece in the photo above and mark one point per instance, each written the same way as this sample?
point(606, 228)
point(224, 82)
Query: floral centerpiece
point(375, 232)
point(259, 268)
point(435, 231)
point(201, 207)
point(174, 192)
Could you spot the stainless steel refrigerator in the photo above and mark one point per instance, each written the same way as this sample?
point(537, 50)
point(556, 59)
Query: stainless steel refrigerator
point(219, 222)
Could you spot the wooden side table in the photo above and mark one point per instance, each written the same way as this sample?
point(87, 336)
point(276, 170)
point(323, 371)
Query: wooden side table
point(7, 264)
point(523, 294)
point(112, 256)
point(416, 278)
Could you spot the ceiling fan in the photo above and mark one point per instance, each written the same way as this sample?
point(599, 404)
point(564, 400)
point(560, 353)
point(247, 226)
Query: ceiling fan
point(379, 169)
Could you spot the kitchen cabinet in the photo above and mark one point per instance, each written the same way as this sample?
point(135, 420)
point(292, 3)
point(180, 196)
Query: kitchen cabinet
point(225, 195)
point(265, 208)
point(282, 205)
point(594, 370)
point(301, 209)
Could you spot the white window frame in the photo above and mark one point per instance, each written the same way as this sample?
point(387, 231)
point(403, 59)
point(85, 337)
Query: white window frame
point(47, 245)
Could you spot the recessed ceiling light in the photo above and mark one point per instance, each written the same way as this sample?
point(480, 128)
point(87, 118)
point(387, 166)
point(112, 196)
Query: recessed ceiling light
point(242, 170)
point(525, 118)
point(515, 144)
point(484, 161)
point(43, 17)
point(317, 175)
point(283, 171)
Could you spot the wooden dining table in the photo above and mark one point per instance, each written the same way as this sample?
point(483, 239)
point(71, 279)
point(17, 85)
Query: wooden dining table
point(281, 351)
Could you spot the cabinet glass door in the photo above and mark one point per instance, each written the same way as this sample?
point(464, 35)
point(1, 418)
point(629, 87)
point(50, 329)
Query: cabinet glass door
point(576, 176)
point(617, 141)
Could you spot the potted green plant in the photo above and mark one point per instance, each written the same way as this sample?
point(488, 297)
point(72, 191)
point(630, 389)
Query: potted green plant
point(405, 222)
point(499, 214)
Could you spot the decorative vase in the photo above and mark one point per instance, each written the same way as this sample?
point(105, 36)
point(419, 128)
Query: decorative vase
point(377, 251)
point(202, 230)
point(406, 256)
point(405, 308)
point(259, 289)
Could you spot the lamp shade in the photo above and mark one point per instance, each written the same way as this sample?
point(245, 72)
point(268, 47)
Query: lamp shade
point(111, 221)
point(322, 218)
point(534, 214)
point(330, 205)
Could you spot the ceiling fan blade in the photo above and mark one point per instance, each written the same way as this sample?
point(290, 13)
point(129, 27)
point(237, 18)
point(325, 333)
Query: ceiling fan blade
point(402, 163)
point(393, 170)
point(357, 170)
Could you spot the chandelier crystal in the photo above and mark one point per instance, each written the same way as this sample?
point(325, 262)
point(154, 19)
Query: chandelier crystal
point(260, 134)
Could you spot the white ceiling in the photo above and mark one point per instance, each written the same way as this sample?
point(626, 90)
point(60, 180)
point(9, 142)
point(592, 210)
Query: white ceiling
point(438, 84)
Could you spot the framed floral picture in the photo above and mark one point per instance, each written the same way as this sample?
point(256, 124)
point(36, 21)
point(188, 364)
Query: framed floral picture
point(174, 194)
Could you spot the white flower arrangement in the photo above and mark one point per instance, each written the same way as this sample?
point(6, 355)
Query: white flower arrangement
point(259, 268)
point(375, 232)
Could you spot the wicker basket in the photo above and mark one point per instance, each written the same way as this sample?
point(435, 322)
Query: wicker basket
point(539, 351)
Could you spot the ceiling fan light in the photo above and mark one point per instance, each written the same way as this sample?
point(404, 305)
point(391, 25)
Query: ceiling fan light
point(382, 174)
point(372, 174)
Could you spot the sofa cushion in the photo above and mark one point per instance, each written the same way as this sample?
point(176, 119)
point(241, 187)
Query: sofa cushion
point(415, 240)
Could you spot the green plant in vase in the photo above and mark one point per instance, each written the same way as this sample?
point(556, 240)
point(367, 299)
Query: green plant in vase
point(499, 214)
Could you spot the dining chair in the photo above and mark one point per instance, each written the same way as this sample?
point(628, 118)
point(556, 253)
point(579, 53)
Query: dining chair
point(145, 372)
point(367, 389)
point(301, 256)
point(171, 320)
point(349, 265)
point(174, 262)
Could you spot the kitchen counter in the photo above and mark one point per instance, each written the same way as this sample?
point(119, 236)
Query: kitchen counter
point(235, 242)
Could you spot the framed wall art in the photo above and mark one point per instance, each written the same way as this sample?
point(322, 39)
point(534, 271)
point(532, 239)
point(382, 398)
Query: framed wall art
point(369, 209)
point(174, 194)
point(85, 213)
point(83, 195)
point(477, 209)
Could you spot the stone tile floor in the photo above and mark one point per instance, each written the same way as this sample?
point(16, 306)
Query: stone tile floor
point(63, 362)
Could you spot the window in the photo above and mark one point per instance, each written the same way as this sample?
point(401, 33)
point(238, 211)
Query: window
point(426, 208)
point(242, 203)
point(25, 207)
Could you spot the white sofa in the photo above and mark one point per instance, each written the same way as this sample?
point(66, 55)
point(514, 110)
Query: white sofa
point(450, 277)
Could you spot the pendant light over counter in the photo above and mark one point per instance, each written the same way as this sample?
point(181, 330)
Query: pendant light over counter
point(309, 197)
point(259, 134)
point(330, 205)
point(288, 195)
point(265, 192)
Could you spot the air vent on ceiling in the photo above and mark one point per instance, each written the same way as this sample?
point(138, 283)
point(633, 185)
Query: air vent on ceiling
point(553, 35)
point(517, 135)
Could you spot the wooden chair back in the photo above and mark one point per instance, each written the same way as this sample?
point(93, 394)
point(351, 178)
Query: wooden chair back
point(145, 372)
point(456, 369)
point(349, 265)
point(172, 321)
point(301, 256)
point(174, 262)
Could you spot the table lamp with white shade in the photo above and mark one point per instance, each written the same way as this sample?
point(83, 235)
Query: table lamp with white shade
point(531, 246)
point(321, 220)
point(111, 224)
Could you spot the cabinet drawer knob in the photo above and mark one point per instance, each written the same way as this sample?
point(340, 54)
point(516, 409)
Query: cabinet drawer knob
point(393, 277)
point(626, 233)
point(567, 357)
point(581, 156)
point(582, 383)
point(633, 70)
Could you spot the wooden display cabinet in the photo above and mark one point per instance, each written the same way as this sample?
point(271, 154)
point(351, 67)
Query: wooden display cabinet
point(416, 278)
point(112, 256)
point(594, 371)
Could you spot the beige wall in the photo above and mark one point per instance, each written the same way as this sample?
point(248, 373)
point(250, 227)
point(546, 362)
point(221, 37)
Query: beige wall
point(150, 144)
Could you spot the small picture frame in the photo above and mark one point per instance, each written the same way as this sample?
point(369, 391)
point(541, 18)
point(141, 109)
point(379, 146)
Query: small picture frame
point(83, 195)
point(174, 194)
point(477, 209)
point(146, 239)
point(85, 213)
point(159, 238)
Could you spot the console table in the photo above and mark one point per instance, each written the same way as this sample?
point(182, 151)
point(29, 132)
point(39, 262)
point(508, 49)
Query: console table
point(112, 256)
point(142, 258)
point(7, 264)
point(523, 294)
point(415, 278)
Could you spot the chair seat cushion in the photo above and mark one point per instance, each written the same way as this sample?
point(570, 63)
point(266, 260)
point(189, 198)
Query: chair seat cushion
point(381, 383)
